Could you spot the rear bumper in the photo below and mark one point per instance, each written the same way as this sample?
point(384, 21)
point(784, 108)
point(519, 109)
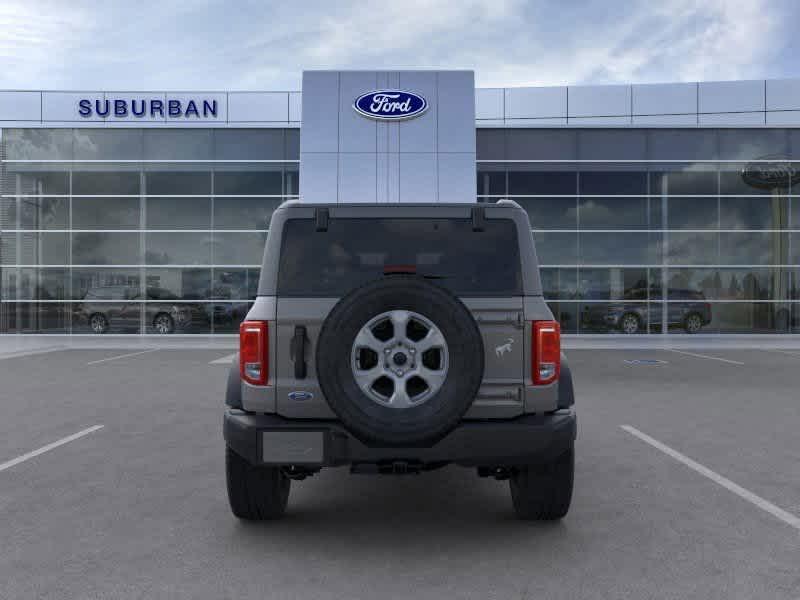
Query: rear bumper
point(270, 439)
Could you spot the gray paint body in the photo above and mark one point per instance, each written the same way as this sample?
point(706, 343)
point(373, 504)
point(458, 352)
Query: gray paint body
point(507, 390)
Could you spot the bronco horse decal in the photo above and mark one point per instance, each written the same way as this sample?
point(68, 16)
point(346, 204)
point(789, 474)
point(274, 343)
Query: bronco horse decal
point(502, 349)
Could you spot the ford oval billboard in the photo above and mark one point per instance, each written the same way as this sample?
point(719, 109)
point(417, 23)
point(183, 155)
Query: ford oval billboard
point(390, 105)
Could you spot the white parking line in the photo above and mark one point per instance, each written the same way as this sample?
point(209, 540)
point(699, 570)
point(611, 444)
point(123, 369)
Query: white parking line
point(43, 449)
point(786, 352)
point(32, 352)
point(225, 360)
point(726, 360)
point(94, 362)
point(764, 505)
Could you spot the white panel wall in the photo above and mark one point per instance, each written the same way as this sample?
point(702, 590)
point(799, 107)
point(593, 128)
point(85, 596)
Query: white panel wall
point(20, 106)
point(731, 96)
point(764, 103)
point(599, 101)
point(345, 157)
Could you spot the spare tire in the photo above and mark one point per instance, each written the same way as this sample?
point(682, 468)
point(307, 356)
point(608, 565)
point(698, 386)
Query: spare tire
point(400, 361)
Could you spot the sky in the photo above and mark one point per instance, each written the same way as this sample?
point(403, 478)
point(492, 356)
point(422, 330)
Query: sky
point(244, 45)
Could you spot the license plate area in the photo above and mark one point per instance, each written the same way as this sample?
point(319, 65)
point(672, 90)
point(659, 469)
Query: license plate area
point(292, 447)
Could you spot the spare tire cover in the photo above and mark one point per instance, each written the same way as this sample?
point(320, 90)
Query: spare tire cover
point(400, 361)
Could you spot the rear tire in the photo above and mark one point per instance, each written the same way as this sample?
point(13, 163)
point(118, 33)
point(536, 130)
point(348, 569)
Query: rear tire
point(98, 323)
point(544, 492)
point(693, 323)
point(630, 323)
point(255, 493)
point(163, 324)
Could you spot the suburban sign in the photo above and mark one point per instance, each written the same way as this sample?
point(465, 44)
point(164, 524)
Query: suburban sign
point(390, 105)
point(771, 172)
point(147, 108)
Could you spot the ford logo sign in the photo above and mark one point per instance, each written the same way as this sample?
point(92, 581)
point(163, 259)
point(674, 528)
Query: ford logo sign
point(771, 172)
point(299, 396)
point(390, 105)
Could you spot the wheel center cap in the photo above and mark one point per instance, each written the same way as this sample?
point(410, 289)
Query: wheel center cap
point(400, 359)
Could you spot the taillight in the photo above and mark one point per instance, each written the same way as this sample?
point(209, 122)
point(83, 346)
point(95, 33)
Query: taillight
point(254, 352)
point(545, 352)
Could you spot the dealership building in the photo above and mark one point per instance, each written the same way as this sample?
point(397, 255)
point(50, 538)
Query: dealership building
point(654, 201)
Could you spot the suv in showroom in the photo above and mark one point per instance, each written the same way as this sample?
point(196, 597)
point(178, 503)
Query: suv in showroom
point(114, 307)
point(687, 309)
point(400, 339)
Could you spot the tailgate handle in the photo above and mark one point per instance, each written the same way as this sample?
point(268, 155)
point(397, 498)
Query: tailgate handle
point(299, 352)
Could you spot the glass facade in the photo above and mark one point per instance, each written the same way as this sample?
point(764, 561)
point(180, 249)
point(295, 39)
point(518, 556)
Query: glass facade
point(137, 230)
point(657, 230)
point(157, 230)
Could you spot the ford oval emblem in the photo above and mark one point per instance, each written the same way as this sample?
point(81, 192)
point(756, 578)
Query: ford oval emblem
point(300, 396)
point(390, 105)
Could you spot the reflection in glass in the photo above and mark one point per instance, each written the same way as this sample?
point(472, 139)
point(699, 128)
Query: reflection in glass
point(566, 313)
point(556, 248)
point(754, 248)
point(36, 317)
point(178, 248)
point(105, 248)
point(700, 248)
point(235, 284)
point(178, 213)
point(228, 316)
point(618, 317)
point(239, 248)
point(105, 144)
point(690, 195)
point(244, 213)
point(620, 248)
point(163, 183)
point(105, 213)
point(546, 212)
point(105, 283)
point(246, 183)
point(164, 318)
point(182, 284)
point(115, 312)
point(613, 284)
point(754, 317)
point(559, 283)
point(100, 182)
point(41, 213)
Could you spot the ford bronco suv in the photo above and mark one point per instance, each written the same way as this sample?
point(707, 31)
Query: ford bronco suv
point(399, 339)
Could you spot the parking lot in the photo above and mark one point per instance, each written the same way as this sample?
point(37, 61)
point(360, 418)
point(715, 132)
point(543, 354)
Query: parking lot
point(687, 486)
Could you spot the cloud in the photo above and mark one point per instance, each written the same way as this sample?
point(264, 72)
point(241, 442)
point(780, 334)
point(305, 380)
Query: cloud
point(266, 45)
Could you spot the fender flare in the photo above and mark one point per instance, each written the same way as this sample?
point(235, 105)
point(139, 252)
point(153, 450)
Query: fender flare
point(233, 390)
point(566, 391)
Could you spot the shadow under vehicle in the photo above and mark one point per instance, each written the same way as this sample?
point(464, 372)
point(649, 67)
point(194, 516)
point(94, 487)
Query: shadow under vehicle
point(108, 308)
point(687, 309)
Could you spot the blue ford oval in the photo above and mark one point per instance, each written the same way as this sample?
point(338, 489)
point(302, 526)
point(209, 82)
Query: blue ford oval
point(390, 105)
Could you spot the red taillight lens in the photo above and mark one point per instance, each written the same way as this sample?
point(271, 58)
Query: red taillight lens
point(546, 352)
point(253, 352)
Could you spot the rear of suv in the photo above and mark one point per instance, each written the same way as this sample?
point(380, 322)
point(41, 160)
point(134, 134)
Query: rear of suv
point(400, 339)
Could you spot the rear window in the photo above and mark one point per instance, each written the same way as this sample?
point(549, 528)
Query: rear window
point(354, 251)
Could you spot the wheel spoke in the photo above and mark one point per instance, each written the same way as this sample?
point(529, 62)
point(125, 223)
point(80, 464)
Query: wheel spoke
point(366, 339)
point(400, 398)
point(366, 378)
point(434, 339)
point(399, 319)
point(433, 378)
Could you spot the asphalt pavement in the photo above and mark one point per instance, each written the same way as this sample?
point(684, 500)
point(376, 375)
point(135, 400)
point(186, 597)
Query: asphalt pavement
point(137, 508)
